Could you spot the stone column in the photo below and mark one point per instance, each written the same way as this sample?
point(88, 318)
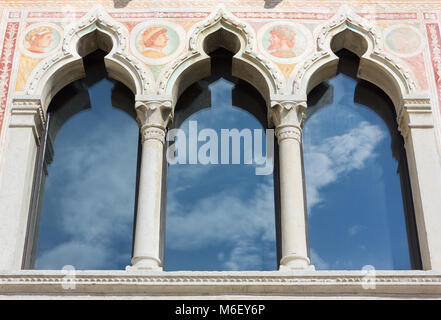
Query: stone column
point(153, 117)
point(287, 116)
point(423, 155)
point(16, 178)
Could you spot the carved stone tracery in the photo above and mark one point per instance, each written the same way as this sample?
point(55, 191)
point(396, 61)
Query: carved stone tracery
point(374, 60)
point(247, 54)
point(120, 64)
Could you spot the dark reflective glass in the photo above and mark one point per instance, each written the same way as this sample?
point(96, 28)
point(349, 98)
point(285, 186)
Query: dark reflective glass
point(219, 216)
point(354, 168)
point(89, 197)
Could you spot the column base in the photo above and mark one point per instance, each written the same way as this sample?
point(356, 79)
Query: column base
point(295, 262)
point(145, 263)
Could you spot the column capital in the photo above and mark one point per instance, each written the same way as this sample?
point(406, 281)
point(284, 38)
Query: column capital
point(286, 112)
point(288, 132)
point(27, 112)
point(153, 111)
point(287, 115)
point(414, 112)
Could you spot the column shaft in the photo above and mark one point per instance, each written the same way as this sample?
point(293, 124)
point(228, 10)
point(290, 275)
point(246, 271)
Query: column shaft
point(293, 220)
point(146, 253)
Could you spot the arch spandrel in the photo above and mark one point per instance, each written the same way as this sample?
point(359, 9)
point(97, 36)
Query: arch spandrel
point(362, 37)
point(66, 65)
point(248, 64)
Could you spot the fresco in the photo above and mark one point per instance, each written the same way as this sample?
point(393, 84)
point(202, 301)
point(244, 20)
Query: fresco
point(157, 43)
point(403, 40)
point(41, 40)
point(285, 42)
point(158, 37)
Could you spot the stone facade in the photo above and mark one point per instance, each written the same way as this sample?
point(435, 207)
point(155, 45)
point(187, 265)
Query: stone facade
point(42, 45)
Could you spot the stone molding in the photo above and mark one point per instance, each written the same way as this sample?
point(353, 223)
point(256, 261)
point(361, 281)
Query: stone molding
point(401, 284)
point(247, 54)
point(153, 133)
point(27, 113)
point(375, 64)
point(120, 64)
point(415, 113)
point(289, 132)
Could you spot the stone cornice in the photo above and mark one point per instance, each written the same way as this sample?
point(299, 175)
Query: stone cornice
point(266, 283)
point(27, 112)
point(415, 112)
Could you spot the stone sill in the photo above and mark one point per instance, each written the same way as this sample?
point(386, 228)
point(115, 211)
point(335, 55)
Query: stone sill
point(206, 285)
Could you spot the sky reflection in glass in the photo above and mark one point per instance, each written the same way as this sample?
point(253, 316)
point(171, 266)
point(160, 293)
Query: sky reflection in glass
point(220, 217)
point(355, 206)
point(88, 205)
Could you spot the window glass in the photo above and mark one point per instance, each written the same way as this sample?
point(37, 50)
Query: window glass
point(220, 216)
point(353, 184)
point(88, 205)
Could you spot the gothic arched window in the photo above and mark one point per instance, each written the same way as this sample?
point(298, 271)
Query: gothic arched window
point(220, 209)
point(360, 209)
point(84, 196)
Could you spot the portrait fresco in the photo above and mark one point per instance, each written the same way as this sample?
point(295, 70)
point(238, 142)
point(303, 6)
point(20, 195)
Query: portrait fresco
point(157, 43)
point(41, 40)
point(284, 42)
point(403, 40)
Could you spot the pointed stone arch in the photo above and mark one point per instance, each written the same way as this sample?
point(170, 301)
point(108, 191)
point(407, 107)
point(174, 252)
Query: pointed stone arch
point(232, 34)
point(348, 30)
point(96, 30)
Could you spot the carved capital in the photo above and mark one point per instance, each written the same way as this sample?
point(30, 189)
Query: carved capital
point(414, 113)
point(153, 133)
point(154, 112)
point(27, 112)
point(289, 132)
point(287, 113)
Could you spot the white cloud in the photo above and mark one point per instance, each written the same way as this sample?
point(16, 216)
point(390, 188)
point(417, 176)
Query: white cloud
point(336, 156)
point(92, 205)
point(80, 254)
point(226, 220)
point(245, 255)
point(317, 261)
point(356, 229)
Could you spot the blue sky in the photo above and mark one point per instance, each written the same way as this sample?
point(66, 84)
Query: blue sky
point(355, 209)
point(221, 217)
point(88, 207)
